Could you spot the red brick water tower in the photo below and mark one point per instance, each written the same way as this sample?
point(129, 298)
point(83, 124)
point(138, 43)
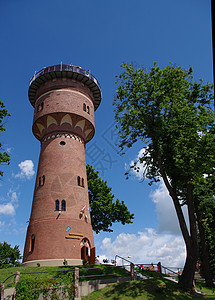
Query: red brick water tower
point(64, 98)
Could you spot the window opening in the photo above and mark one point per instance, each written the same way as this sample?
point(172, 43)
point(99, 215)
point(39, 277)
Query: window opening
point(43, 179)
point(40, 107)
point(88, 109)
point(82, 182)
point(39, 181)
point(79, 180)
point(84, 106)
point(57, 205)
point(32, 242)
point(63, 205)
point(62, 143)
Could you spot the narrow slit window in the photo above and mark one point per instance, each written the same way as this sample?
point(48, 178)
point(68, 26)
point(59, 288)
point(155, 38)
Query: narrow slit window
point(88, 109)
point(39, 181)
point(43, 179)
point(32, 243)
point(40, 107)
point(57, 205)
point(79, 180)
point(82, 182)
point(84, 106)
point(63, 205)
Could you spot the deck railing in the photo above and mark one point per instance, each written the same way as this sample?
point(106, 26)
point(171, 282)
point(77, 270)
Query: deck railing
point(64, 67)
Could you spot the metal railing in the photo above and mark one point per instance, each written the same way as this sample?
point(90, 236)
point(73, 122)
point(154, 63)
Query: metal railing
point(64, 67)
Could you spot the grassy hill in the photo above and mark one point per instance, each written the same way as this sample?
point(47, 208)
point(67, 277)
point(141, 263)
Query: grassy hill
point(154, 288)
point(159, 289)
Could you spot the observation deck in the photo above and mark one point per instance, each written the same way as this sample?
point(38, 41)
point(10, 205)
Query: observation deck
point(64, 71)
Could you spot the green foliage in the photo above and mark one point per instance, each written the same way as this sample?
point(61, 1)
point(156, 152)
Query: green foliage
point(31, 289)
point(104, 211)
point(9, 257)
point(4, 156)
point(172, 116)
point(54, 288)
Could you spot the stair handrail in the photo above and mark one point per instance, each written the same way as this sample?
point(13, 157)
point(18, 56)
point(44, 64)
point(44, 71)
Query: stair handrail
point(123, 259)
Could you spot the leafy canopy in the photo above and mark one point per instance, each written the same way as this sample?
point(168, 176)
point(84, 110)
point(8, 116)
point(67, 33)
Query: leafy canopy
point(9, 256)
point(172, 115)
point(104, 211)
point(4, 156)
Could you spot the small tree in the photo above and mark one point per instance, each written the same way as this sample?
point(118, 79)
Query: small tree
point(9, 257)
point(4, 156)
point(104, 211)
point(172, 116)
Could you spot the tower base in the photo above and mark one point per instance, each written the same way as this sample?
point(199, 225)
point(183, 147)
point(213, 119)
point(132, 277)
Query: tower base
point(53, 262)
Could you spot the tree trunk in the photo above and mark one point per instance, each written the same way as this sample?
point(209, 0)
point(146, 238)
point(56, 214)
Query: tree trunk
point(186, 280)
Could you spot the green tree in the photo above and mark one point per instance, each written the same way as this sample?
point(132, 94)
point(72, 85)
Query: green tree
point(104, 211)
point(172, 116)
point(9, 257)
point(4, 156)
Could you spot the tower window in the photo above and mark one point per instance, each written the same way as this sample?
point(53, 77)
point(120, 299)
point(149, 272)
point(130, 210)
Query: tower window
point(63, 205)
point(40, 107)
point(84, 107)
point(42, 180)
point(62, 143)
point(82, 182)
point(79, 180)
point(88, 109)
point(57, 205)
point(32, 243)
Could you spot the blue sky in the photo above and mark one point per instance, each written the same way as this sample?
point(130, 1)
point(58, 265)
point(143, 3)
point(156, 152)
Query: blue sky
point(96, 35)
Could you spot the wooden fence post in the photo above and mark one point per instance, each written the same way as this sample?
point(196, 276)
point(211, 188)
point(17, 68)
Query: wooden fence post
point(16, 280)
point(76, 282)
point(159, 269)
point(2, 291)
point(132, 271)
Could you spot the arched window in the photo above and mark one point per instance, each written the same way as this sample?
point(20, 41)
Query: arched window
point(32, 243)
point(84, 106)
point(79, 180)
point(82, 182)
point(88, 109)
point(63, 205)
point(57, 205)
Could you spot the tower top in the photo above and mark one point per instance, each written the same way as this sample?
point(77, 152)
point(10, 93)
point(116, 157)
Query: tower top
point(64, 71)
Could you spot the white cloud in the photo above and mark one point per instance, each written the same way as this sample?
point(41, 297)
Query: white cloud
point(140, 166)
point(7, 209)
point(168, 220)
point(147, 247)
point(2, 224)
point(13, 196)
point(26, 169)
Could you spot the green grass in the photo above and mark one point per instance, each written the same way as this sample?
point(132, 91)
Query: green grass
point(160, 289)
point(116, 272)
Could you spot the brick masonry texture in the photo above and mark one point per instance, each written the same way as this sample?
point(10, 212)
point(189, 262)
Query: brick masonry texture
point(63, 127)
